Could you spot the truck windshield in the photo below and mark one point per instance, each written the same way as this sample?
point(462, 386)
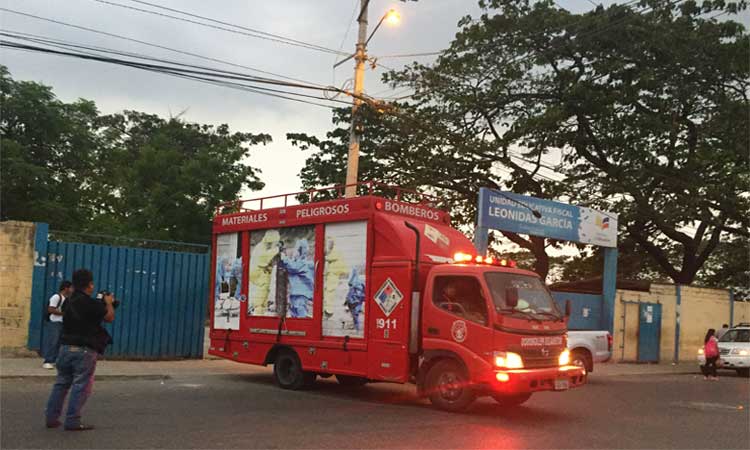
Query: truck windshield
point(534, 299)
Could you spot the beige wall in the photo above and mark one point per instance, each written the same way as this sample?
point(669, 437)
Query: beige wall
point(16, 268)
point(700, 309)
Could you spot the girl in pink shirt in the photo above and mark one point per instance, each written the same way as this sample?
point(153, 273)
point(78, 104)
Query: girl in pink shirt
point(711, 352)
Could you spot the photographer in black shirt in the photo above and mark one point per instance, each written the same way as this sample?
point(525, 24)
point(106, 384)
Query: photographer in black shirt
point(83, 339)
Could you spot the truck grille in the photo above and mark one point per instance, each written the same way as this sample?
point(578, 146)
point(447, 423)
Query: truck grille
point(723, 351)
point(536, 358)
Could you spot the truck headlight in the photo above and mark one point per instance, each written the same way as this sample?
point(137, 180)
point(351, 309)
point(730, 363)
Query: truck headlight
point(508, 360)
point(737, 351)
point(564, 358)
point(700, 351)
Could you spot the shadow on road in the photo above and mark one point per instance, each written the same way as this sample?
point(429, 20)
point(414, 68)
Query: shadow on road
point(404, 396)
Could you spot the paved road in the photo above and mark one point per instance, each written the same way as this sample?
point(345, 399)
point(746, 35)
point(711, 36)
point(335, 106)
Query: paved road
point(248, 411)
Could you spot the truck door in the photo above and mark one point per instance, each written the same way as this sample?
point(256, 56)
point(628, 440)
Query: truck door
point(388, 321)
point(456, 318)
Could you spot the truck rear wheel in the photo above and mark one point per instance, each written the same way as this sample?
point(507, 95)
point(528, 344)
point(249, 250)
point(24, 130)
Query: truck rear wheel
point(288, 373)
point(351, 381)
point(447, 385)
point(511, 400)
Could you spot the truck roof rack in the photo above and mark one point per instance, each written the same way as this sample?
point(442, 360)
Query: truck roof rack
point(327, 194)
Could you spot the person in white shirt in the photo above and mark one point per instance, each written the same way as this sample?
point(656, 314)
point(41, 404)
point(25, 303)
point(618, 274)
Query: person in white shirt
point(53, 328)
point(724, 328)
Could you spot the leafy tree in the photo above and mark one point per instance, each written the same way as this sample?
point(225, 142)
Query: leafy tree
point(165, 178)
point(646, 104)
point(47, 155)
point(130, 174)
point(729, 266)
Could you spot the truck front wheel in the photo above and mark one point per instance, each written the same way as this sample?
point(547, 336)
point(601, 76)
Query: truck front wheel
point(288, 373)
point(511, 400)
point(447, 385)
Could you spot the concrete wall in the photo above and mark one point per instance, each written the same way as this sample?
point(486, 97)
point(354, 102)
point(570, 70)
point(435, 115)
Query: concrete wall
point(700, 309)
point(16, 269)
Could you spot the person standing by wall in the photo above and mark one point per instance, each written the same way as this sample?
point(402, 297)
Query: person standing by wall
point(53, 328)
point(83, 339)
point(711, 352)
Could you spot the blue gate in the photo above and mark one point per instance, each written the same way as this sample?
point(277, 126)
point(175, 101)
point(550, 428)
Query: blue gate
point(649, 331)
point(586, 309)
point(163, 297)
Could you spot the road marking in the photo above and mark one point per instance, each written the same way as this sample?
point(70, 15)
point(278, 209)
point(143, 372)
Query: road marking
point(709, 406)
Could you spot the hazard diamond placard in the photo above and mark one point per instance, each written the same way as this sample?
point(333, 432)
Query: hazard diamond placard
point(388, 297)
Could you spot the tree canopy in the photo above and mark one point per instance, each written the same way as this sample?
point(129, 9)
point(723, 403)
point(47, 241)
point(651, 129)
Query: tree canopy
point(640, 109)
point(128, 174)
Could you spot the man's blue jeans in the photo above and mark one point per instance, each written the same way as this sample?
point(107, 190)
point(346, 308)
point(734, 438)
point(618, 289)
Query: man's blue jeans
point(51, 344)
point(75, 372)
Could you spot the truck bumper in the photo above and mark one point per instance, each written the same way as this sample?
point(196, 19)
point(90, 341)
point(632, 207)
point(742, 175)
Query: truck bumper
point(533, 380)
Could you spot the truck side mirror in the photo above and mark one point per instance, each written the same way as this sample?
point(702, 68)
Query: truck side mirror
point(511, 297)
point(568, 308)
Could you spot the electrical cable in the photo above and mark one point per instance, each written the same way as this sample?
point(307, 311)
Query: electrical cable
point(265, 33)
point(410, 55)
point(201, 69)
point(254, 34)
point(343, 40)
point(198, 75)
point(150, 44)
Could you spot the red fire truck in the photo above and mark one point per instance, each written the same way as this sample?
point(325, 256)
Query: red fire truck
point(381, 289)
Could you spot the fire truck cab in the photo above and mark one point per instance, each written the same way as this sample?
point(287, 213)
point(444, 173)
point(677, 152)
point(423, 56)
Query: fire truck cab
point(378, 289)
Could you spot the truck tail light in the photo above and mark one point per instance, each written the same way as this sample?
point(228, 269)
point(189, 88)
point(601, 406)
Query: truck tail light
point(609, 342)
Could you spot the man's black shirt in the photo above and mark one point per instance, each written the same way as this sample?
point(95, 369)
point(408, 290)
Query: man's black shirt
point(82, 318)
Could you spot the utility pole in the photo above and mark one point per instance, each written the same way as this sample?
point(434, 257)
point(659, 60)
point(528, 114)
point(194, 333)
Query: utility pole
point(360, 59)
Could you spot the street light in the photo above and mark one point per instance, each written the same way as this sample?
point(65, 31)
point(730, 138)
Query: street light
point(392, 17)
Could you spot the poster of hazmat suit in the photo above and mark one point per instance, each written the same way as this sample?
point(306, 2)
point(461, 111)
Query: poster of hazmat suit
point(228, 282)
point(344, 279)
point(282, 272)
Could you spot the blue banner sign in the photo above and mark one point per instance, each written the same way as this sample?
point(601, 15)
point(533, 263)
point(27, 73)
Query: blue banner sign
point(534, 216)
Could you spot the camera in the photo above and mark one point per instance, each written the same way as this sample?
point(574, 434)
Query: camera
point(101, 294)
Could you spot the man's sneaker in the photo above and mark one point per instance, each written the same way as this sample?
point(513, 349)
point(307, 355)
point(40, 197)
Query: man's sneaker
point(53, 424)
point(48, 366)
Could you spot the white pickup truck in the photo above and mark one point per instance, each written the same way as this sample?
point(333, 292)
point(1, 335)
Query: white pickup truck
point(589, 347)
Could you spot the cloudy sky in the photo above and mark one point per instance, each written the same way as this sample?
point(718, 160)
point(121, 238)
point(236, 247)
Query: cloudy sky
point(426, 26)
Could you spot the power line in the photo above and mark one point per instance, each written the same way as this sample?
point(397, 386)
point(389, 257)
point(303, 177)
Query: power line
point(410, 55)
point(341, 47)
point(238, 86)
point(236, 28)
point(201, 74)
point(150, 44)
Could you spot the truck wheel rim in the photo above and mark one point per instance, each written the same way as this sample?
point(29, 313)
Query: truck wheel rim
point(449, 386)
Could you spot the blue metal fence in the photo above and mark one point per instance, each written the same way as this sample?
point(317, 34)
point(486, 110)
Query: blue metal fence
point(162, 294)
point(586, 310)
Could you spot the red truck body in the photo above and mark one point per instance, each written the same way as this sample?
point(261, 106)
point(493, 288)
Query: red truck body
point(330, 288)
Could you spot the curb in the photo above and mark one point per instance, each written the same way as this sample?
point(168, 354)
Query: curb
point(679, 372)
point(45, 378)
